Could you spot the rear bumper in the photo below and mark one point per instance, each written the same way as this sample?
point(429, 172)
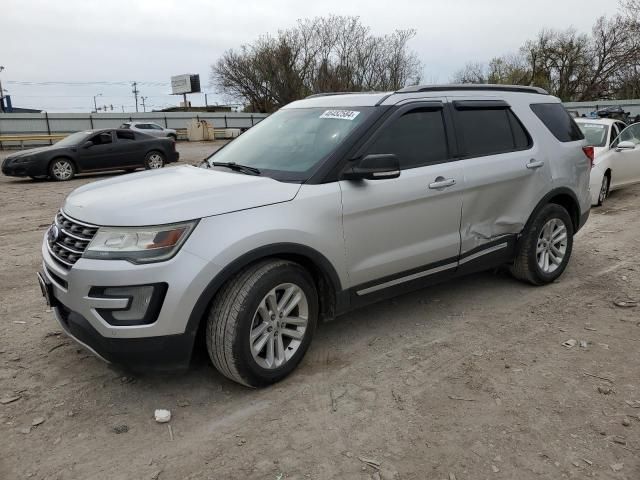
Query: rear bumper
point(583, 219)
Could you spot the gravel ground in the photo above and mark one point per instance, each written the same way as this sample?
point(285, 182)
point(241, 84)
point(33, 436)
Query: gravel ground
point(465, 380)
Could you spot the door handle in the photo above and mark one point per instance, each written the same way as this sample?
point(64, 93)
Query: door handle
point(442, 182)
point(534, 164)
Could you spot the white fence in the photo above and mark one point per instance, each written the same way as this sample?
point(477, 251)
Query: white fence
point(53, 123)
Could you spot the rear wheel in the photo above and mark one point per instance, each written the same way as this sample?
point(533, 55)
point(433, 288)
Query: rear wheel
point(154, 160)
point(604, 190)
point(61, 169)
point(545, 247)
point(262, 322)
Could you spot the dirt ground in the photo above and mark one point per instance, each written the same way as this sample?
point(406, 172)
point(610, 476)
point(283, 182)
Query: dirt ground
point(465, 380)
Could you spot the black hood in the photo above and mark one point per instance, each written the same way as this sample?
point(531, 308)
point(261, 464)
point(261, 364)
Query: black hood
point(32, 151)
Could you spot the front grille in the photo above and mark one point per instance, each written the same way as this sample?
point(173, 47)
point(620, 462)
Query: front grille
point(68, 239)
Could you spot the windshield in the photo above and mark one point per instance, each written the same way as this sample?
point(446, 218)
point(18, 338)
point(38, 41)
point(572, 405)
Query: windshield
point(292, 142)
point(74, 139)
point(595, 133)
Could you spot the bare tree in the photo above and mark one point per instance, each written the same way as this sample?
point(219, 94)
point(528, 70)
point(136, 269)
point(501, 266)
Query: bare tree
point(323, 54)
point(472, 72)
point(575, 67)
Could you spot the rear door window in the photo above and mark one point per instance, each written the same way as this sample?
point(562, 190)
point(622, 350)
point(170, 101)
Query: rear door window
point(125, 135)
point(490, 131)
point(558, 121)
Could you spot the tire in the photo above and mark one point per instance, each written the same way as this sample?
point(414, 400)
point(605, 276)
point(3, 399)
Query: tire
point(62, 169)
point(241, 308)
point(529, 264)
point(604, 190)
point(154, 160)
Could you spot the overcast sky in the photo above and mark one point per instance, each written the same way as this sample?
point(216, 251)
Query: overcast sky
point(150, 40)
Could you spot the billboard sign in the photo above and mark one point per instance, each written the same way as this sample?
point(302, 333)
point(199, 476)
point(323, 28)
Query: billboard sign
point(187, 83)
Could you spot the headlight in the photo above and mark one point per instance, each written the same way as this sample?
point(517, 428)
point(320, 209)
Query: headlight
point(139, 244)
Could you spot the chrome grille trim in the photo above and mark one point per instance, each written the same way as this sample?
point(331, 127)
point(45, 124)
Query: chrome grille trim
point(72, 240)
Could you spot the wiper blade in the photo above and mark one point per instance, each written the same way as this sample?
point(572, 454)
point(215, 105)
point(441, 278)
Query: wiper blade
point(237, 167)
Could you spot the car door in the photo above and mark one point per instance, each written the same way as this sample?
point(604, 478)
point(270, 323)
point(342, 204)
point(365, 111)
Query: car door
point(130, 152)
point(400, 231)
point(625, 163)
point(97, 153)
point(505, 175)
point(155, 130)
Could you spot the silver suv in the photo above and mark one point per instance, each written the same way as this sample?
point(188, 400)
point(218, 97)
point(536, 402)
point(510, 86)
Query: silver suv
point(151, 128)
point(331, 203)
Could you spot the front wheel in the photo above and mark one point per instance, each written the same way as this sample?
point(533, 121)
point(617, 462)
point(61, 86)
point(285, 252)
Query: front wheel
point(262, 321)
point(62, 169)
point(604, 190)
point(154, 160)
point(545, 247)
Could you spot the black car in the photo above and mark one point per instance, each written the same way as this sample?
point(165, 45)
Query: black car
point(92, 151)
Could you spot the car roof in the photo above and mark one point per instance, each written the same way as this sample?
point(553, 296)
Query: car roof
point(416, 92)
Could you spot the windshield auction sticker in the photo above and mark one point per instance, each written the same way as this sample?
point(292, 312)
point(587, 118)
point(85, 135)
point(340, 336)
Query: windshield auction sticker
point(340, 114)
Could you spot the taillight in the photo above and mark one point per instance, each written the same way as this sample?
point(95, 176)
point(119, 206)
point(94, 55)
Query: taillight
point(590, 153)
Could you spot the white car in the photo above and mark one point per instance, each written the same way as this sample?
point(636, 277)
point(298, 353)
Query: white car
point(151, 128)
point(616, 155)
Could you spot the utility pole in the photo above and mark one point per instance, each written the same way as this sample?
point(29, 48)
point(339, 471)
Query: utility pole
point(135, 92)
point(144, 107)
point(206, 104)
point(1, 92)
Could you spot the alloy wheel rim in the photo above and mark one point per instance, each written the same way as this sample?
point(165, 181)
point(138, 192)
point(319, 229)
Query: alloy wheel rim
point(279, 326)
point(155, 161)
point(552, 245)
point(62, 170)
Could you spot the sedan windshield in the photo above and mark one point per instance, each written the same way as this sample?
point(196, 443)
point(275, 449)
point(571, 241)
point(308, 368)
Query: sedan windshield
point(595, 133)
point(290, 143)
point(74, 139)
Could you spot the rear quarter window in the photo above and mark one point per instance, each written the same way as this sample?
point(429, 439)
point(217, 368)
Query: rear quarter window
point(558, 121)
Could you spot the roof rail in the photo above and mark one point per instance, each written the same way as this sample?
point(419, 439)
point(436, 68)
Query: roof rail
point(473, 86)
point(329, 94)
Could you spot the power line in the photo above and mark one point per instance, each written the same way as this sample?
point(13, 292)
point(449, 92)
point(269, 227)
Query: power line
point(89, 83)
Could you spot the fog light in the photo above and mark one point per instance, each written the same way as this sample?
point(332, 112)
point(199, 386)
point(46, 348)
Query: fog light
point(138, 305)
point(143, 307)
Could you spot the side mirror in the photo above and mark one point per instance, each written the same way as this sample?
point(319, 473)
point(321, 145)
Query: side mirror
point(374, 167)
point(87, 144)
point(625, 146)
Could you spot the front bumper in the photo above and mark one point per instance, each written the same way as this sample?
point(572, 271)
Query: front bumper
point(166, 343)
point(595, 183)
point(22, 169)
point(171, 352)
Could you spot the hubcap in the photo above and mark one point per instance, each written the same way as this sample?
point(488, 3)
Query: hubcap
point(279, 325)
point(552, 245)
point(155, 161)
point(62, 170)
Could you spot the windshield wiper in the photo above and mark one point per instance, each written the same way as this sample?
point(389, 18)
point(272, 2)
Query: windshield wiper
point(237, 167)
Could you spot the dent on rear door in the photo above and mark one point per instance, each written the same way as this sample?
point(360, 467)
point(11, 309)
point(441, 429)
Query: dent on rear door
point(500, 194)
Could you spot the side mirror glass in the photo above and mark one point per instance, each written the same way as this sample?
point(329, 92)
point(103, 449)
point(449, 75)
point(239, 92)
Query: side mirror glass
point(627, 145)
point(381, 166)
point(87, 144)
